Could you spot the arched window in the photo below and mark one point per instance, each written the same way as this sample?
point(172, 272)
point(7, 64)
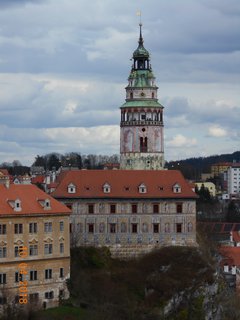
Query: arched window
point(131, 95)
point(152, 95)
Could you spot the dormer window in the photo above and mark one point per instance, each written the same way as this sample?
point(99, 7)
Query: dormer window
point(106, 188)
point(177, 188)
point(142, 188)
point(71, 188)
point(17, 205)
point(47, 204)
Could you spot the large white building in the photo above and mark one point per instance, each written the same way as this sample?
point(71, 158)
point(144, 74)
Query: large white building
point(233, 180)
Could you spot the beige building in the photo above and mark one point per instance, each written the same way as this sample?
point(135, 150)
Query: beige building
point(34, 247)
point(130, 211)
point(218, 168)
point(208, 185)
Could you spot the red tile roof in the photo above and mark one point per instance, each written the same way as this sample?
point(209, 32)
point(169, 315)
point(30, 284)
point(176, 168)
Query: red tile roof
point(38, 179)
point(30, 197)
point(231, 254)
point(123, 183)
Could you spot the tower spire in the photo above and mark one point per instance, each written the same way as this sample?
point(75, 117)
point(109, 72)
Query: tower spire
point(140, 35)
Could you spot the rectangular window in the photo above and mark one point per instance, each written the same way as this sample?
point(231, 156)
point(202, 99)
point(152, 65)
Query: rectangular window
point(155, 228)
point(48, 274)
point(179, 208)
point(61, 273)
point(179, 227)
point(61, 226)
point(48, 227)
point(112, 208)
point(134, 227)
point(91, 208)
point(33, 250)
point(33, 227)
point(33, 297)
point(3, 228)
point(18, 228)
point(61, 248)
point(134, 208)
point(33, 275)
point(112, 227)
point(3, 278)
point(16, 251)
point(48, 248)
point(3, 300)
point(49, 295)
point(91, 228)
point(156, 208)
point(3, 252)
point(18, 277)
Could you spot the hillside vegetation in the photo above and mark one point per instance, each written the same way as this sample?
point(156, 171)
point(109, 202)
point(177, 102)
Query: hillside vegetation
point(165, 284)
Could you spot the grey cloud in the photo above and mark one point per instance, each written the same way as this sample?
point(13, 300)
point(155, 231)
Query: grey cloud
point(11, 3)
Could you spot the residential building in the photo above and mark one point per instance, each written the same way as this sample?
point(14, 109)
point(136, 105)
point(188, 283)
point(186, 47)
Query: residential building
point(34, 246)
point(210, 186)
point(221, 167)
point(233, 180)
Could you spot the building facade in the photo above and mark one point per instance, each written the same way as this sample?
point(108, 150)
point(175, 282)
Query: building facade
point(141, 133)
point(233, 180)
point(34, 247)
point(128, 210)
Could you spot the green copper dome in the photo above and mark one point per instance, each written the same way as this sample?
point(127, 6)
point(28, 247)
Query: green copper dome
point(140, 51)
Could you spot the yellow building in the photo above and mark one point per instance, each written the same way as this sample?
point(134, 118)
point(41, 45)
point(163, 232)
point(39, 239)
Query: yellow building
point(34, 247)
point(220, 167)
point(208, 185)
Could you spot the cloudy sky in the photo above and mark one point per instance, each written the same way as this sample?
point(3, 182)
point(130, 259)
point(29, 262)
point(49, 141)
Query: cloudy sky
point(64, 66)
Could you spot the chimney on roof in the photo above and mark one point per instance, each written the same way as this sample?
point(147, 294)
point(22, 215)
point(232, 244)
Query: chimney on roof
point(234, 270)
point(226, 268)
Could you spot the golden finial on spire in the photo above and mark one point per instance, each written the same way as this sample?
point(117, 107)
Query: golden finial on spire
point(139, 13)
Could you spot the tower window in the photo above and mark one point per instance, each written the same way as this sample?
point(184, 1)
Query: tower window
point(143, 116)
point(152, 95)
point(143, 144)
point(131, 95)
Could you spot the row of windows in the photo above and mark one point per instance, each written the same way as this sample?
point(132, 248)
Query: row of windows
point(134, 208)
point(33, 227)
point(176, 188)
point(33, 275)
point(134, 227)
point(33, 297)
point(33, 250)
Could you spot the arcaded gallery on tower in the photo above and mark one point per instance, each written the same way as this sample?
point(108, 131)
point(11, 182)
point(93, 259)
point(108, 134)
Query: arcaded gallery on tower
point(141, 206)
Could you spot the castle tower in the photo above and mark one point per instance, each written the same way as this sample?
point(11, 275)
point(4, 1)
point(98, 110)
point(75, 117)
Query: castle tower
point(141, 136)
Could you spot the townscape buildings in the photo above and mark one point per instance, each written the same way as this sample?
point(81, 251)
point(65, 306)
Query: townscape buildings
point(131, 210)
